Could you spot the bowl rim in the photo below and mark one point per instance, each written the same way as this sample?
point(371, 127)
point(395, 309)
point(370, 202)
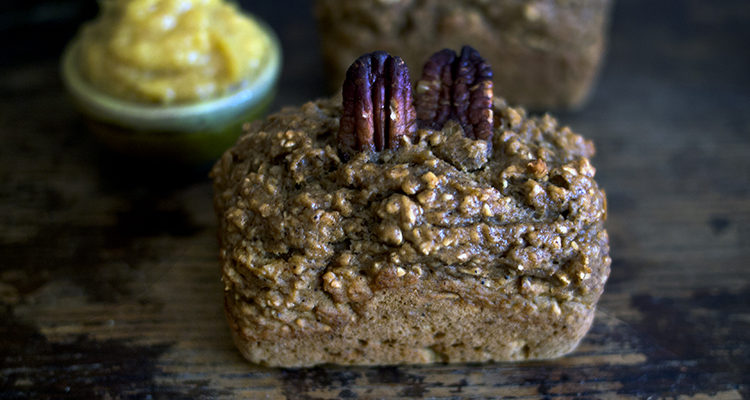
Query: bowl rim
point(179, 117)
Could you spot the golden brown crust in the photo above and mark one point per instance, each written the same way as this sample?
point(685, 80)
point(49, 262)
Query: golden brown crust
point(412, 326)
point(316, 250)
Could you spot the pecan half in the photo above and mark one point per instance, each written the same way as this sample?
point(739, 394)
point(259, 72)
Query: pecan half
point(378, 105)
point(456, 87)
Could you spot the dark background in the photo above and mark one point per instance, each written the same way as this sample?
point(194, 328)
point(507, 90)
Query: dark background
point(654, 36)
point(108, 281)
point(699, 40)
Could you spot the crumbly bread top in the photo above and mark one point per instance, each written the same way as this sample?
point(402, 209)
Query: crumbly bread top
point(307, 237)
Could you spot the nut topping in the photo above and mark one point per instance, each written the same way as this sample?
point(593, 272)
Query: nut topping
point(377, 104)
point(459, 88)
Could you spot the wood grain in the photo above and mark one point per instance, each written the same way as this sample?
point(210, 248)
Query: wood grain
point(109, 282)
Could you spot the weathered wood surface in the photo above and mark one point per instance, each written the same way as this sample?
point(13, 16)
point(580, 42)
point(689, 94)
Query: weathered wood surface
point(109, 284)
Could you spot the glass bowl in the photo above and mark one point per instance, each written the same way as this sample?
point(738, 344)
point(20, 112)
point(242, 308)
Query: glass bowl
point(195, 133)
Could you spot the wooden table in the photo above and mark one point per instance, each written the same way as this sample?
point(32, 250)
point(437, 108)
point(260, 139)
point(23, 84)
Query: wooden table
point(109, 281)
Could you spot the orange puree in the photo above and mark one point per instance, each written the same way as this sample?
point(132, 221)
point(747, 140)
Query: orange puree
point(171, 51)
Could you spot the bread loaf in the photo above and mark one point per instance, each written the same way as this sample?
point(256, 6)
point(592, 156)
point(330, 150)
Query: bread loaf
point(545, 53)
point(445, 250)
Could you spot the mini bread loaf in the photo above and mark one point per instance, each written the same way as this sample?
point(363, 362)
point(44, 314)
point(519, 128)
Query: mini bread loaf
point(367, 230)
point(545, 53)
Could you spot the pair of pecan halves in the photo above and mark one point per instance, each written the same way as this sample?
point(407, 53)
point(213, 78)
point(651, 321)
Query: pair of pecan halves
point(378, 105)
point(456, 87)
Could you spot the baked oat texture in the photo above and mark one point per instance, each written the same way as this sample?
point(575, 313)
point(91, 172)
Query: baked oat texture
point(445, 250)
point(545, 53)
